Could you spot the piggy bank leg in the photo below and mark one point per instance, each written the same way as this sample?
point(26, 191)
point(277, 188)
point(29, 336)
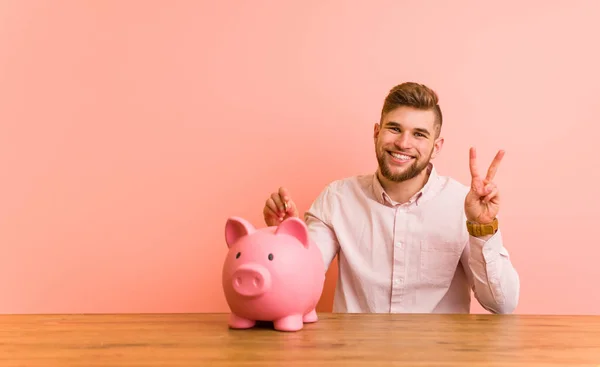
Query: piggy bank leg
point(311, 316)
point(289, 323)
point(236, 322)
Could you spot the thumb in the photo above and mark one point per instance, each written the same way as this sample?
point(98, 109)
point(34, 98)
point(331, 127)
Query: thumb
point(292, 209)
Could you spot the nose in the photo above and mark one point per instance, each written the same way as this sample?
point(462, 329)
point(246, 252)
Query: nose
point(251, 280)
point(404, 141)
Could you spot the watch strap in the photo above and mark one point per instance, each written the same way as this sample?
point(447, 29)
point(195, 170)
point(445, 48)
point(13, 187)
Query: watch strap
point(479, 230)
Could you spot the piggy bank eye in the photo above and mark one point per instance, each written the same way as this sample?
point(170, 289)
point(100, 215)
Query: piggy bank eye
point(271, 257)
point(238, 255)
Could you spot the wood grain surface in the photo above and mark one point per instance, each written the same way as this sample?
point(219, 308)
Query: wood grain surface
point(335, 340)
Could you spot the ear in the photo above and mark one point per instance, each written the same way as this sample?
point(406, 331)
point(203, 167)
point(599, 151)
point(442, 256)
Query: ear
point(235, 228)
point(437, 147)
point(376, 129)
point(296, 228)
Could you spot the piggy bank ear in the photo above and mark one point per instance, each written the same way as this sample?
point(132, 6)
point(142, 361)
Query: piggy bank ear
point(294, 227)
point(235, 228)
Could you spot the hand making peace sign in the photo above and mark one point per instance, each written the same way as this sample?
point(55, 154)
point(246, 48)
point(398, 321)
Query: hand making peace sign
point(483, 201)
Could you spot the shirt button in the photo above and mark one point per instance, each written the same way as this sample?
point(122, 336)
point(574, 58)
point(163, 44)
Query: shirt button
point(399, 244)
point(396, 282)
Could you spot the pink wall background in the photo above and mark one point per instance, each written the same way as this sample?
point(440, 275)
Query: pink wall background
point(130, 131)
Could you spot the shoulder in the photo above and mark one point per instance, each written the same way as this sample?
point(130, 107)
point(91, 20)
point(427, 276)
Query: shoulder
point(348, 185)
point(450, 189)
point(447, 182)
point(444, 202)
point(452, 185)
point(449, 201)
point(340, 190)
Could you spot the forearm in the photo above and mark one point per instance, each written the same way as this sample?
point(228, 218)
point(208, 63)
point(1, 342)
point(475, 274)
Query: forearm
point(496, 282)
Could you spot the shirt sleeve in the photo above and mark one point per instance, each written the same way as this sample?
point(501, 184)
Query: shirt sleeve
point(493, 277)
point(318, 221)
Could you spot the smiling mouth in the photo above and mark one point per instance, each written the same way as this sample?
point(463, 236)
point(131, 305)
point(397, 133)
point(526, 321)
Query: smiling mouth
point(400, 156)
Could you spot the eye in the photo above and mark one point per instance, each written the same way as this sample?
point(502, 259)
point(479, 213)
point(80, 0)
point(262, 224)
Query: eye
point(270, 257)
point(238, 255)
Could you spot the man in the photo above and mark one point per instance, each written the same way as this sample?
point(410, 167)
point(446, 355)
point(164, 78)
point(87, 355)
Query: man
point(408, 239)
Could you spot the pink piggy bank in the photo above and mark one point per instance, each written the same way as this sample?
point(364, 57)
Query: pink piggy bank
point(272, 274)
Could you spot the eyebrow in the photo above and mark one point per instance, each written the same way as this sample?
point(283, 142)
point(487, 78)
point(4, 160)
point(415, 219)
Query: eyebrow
point(418, 129)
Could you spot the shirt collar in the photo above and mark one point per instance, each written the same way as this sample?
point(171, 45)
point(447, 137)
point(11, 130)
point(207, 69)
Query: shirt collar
point(384, 198)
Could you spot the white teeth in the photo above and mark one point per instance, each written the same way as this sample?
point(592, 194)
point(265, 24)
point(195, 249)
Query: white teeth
point(401, 156)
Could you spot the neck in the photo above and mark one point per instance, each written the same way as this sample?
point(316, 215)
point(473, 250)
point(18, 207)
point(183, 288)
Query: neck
point(401, 192)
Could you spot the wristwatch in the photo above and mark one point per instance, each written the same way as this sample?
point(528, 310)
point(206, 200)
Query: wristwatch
point(479, 230)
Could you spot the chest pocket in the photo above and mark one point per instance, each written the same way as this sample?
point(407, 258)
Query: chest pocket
point(439, 261)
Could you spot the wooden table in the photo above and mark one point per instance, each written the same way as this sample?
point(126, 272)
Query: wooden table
point(336, 340)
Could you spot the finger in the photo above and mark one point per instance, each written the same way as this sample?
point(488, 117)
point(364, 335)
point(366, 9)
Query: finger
point(272, 206)
point(477, 185)
point(292, 210)
point(271, 218)
point(288, 204)
point(473, 162)
point(493, 196)
point(284, 194)
point(494, 166)
point(481, 187)
point(278, 203)
point(487, 188)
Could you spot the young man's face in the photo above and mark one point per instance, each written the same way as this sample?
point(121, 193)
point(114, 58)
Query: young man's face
point(405, 142)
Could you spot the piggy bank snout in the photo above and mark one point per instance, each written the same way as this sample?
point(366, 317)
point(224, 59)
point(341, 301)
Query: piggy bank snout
point(251, 280)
